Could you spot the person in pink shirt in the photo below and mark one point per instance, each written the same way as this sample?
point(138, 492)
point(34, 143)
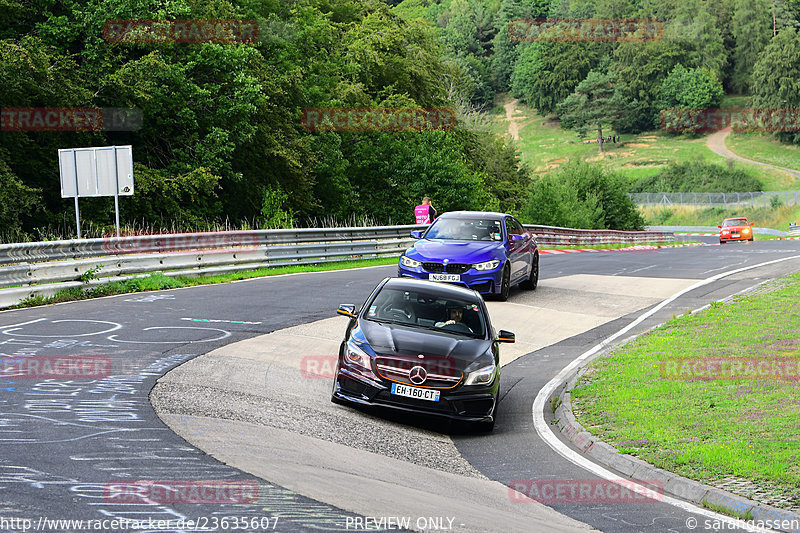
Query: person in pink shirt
point(424, 213)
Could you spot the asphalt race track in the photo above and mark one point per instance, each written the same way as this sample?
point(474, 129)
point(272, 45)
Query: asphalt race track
point(67, 442)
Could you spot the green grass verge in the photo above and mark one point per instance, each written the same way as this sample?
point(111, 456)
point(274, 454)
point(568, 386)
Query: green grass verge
point(544, 145)
point(765, 148)
point(158, 281)
point(706, 429)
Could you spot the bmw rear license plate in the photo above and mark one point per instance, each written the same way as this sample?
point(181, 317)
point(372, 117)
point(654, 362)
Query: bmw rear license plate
point(444, 277)
point(415, 392)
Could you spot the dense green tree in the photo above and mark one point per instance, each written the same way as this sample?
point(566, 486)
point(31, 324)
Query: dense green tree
point(697, 29)
point(785, 14)
point(546, 73)
point(640, 69)
point(18, 202)
point(776, 79)
point(596, 101)
point(504, 49)
point(498, 160)
point(390, 172)
point(688, 89)
point(723, 12)
point(752, 28)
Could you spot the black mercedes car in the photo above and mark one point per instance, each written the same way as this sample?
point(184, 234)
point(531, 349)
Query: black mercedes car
point(421, 346)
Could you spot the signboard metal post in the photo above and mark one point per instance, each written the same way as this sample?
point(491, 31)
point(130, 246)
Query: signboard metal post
point(116, 188)
point(77, 209)
point(99, 171)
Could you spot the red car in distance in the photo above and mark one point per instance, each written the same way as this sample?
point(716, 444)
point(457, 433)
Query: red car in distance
point(735, 229)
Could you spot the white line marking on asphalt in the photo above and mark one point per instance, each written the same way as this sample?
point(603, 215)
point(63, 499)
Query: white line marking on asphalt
point(547, 435)
point(640, 269)
point(225, 334)
point(115, 326)
point(715, 269)
point(23, 323)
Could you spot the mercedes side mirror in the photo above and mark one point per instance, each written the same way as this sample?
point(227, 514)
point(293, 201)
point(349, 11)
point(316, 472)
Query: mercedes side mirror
point(506, 336)
point(348, 310)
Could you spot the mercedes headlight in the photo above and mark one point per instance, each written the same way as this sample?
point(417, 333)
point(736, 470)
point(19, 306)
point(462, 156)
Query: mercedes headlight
point(487, 265)
point(482, 376)
point(355, 356)
point(408, 262)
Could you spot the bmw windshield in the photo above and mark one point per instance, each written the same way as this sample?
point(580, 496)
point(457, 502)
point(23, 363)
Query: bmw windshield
point(428, 311)
point(466, 229)
point(734, 222)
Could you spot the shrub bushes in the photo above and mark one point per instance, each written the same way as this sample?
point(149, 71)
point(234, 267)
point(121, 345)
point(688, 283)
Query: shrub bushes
point(700, 176)
point(581, 195)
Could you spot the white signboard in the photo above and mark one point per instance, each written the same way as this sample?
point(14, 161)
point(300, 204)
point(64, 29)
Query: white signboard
point(105, 171)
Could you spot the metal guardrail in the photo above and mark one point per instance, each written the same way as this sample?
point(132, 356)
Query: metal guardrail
point(550, 235)
point(42, 268)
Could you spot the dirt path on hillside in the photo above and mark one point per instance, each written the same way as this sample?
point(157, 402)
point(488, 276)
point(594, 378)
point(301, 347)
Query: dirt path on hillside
point(513, 127)
point(716, 143)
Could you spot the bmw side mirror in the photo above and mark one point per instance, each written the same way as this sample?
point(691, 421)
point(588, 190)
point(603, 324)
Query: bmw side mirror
point(515, 238)
point(417, 234)
point(506, 336)
point(348, 310)
point(719, 226)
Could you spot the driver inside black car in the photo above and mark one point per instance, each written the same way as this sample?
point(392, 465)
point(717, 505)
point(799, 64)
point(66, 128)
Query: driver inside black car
point(455, 320)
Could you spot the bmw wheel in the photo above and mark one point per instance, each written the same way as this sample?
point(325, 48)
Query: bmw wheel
point(533, 280)
point(505, 284)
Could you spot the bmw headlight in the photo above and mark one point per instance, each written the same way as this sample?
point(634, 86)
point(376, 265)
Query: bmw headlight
point(487, 265)
point(408, 262)
point(482, 376)
point(746, 230)
point(355, 356)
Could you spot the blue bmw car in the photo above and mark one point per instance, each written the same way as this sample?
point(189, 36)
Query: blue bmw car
point(487, 252)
